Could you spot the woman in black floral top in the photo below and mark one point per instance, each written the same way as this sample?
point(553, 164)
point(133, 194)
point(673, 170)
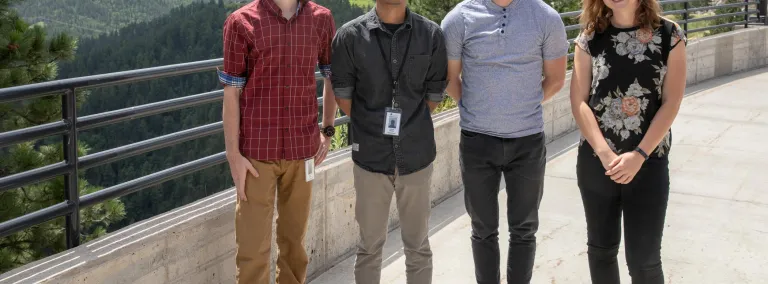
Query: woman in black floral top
point(628, 81)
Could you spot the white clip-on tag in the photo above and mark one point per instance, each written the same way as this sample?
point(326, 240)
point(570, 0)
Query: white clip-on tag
point(309, 169)
point(392, 122)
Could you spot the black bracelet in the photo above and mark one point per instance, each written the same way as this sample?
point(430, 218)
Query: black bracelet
point(642, 153)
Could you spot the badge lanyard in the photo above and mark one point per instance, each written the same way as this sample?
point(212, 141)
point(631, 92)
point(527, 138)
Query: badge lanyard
point(395, 80)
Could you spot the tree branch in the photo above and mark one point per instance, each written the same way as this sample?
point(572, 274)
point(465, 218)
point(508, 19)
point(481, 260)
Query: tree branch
point(28, 65)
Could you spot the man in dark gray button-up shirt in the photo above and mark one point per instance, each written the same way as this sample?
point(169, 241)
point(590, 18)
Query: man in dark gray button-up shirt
point(389, 71)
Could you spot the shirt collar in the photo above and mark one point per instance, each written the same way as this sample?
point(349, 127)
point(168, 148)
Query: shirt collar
point(495, 7)
point(372, 20)
point(272, 6)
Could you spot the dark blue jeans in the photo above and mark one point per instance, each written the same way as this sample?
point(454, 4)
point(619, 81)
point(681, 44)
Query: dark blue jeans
point(643, 203)
point(483, 161)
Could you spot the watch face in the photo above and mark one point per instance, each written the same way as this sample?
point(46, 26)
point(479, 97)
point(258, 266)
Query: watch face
point(329, 131)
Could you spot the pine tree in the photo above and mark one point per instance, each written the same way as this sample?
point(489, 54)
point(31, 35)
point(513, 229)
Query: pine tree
point(26, 57)
point(434, 10)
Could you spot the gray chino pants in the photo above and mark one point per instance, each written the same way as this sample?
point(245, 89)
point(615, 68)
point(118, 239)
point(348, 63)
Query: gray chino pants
point(374, 195)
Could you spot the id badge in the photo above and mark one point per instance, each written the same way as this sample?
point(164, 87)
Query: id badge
point(309, 169)
point(392, 121)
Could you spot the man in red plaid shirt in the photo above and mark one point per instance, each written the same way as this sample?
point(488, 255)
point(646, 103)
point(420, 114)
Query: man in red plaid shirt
point(273, 141)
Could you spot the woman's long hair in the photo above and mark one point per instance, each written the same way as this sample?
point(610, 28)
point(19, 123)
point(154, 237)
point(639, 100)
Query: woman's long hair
point(594, 17)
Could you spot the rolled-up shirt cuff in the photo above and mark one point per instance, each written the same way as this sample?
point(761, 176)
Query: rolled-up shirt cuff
point(435, 87)
point(232, 81)
point(343, 93)
point(325, 71)
point(435, 97)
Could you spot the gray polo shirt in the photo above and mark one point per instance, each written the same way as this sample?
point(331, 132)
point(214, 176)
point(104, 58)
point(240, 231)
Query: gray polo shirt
point(502, 50)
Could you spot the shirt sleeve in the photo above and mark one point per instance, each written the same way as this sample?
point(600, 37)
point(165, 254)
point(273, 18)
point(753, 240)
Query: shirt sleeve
point(555, 39)
point(235, 52)
point(453, 31)
point(324, 56)
point(678, 36)
point(343, 67)
point(438, 69)
point(582, 41)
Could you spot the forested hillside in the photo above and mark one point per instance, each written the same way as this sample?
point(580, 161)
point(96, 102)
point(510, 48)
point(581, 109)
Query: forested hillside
point(187, 34)
point(93, 17)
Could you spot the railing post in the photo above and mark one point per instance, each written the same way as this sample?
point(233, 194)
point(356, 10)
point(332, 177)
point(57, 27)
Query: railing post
point(71, 192)
point(685, 17)
point(349, 133)
point(746, 14)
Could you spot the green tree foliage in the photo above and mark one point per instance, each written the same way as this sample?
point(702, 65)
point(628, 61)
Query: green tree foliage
point(94, 17)
point(434, 10)
point(26, 57)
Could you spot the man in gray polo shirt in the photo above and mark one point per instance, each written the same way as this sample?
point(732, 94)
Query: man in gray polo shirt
point(505, 57)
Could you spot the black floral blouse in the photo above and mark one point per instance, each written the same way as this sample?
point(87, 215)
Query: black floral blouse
point(627, 78)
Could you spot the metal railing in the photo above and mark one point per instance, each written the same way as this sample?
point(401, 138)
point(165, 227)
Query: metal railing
point(70, 124)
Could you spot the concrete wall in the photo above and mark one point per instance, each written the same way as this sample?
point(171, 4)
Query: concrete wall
point(195, 243)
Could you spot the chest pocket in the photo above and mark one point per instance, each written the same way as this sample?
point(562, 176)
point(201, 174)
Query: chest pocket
point(416, 70)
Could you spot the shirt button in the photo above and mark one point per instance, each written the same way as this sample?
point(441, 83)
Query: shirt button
point(286, 108)
point(505, 16)
point(505, 9)
point(394, 61)
point(286, 86)
point(503, 25)
point(502, 31)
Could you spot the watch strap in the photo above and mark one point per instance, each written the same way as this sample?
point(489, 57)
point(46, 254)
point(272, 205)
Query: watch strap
point(642, 153)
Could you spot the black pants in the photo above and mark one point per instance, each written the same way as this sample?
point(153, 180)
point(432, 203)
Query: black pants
point(483, 160)
point(644, 204)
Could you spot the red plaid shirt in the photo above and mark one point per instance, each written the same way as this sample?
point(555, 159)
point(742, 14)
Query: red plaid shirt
point(273, 59)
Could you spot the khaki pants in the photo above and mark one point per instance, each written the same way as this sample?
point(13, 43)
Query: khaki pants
point(253, 223)
point(374, 195)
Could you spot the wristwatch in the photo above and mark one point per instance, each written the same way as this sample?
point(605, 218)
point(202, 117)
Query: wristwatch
point(328, 131)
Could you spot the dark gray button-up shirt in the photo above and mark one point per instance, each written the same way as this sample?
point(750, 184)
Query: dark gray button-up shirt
point(359, 74)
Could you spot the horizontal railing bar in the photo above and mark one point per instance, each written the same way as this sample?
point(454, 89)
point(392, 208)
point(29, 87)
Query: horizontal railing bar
point(341, 120)
point(572, 27)
point(151, 180)
point(112, 117)
point(742, 4)
point(102, 80)
point(35, 218)
point(673, 12)
point(570, 14)
point(715, 17)
point(32, 176)
point(120, 153)
point(716, 26)
point(32, 133)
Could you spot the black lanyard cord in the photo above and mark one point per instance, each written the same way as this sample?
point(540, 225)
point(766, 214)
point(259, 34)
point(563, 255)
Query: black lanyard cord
point(402, 63)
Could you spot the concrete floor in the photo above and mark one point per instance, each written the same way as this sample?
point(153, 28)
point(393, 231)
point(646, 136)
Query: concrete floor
point(717, 221)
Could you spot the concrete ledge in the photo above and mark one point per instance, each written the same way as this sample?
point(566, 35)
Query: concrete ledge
point(195, 243)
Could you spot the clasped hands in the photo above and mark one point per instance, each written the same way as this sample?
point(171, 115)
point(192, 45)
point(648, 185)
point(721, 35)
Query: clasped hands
point(621, 168)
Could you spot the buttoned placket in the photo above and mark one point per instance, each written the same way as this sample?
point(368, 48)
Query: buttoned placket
point(284, 69)
point(395, 65)
point(503, 20)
